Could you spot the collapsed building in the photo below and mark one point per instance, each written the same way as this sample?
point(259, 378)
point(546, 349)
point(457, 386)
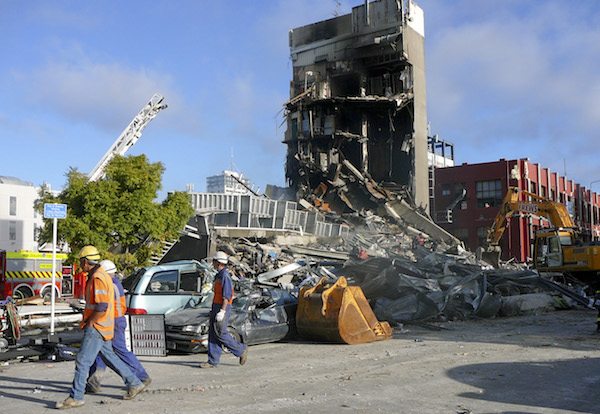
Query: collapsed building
point(357, 147)
point(357, 115)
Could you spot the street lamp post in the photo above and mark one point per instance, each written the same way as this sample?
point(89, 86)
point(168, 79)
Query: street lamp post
point(592, 208)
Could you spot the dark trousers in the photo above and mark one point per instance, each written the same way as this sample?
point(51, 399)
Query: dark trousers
point(218, 337)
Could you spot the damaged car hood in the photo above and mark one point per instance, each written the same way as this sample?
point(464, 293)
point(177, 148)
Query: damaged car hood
point(190, 316)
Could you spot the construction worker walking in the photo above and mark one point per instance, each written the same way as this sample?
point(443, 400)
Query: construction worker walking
point(218, 336)
point(98, 330)
point(118, 342)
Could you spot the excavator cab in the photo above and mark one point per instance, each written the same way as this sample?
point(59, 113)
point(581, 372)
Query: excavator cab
point(336, 312)
point(548, 249)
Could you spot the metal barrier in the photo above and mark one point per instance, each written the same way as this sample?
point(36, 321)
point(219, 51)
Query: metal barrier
point(249, 211)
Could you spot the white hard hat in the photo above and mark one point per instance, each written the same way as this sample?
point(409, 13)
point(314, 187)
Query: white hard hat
point(220, 257)
point(108, 266)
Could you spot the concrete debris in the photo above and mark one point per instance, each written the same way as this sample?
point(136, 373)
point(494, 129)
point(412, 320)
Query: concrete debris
point(529, 303)
point(404, 281)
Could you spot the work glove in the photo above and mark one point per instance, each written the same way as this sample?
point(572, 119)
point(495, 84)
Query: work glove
point(220, 316)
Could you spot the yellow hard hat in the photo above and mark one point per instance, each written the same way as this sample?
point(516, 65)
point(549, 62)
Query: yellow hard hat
point(89, 253)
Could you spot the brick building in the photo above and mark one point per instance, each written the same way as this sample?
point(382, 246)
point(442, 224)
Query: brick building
point(468, 196)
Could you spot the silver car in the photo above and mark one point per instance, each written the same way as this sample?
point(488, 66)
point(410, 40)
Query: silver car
point(164, 288)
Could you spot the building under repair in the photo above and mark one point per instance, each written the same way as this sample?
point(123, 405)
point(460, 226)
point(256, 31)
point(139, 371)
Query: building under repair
point(357, 117)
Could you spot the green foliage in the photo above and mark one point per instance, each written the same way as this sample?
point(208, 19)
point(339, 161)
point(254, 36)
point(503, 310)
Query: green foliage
point(118, 212)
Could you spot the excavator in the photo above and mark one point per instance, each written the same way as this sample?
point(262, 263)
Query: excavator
point(558, 249)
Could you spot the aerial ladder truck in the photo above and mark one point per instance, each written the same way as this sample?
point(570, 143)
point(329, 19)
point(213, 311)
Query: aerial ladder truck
point(130, 135)
point(126, 140)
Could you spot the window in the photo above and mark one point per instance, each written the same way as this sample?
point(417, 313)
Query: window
point(532, 188)
point(12, 230)
point(190, 282)
point(305, 121)
point(553, 246)
point(445, 189)
point(566, 240)
point(489, 193)
point(163, 282)
point(13, 206)
point(542, 252)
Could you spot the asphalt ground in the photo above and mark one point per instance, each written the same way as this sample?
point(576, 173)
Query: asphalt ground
point(548, 363)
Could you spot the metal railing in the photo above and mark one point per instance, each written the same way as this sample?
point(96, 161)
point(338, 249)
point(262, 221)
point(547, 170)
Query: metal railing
point(250, 211)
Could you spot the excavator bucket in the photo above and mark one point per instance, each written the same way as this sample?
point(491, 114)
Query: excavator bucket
point(338, 313)
point(491, 255)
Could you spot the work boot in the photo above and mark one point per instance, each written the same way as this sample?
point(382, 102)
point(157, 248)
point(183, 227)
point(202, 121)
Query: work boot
point(244, 356)
point(93, 382)
point(132, 392)
point(147, 381)
point(207, 365)
point(69, 403)
point(91, 388)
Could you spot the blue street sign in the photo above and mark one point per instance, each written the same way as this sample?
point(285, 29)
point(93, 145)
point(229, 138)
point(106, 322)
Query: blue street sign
point(58, 211)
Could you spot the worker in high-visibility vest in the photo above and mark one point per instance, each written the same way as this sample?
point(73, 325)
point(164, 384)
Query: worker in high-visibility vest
point(98, 330)
point(218, 337)
point(118, 342)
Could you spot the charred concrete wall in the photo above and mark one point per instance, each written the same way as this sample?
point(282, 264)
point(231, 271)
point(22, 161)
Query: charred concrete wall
point(358, 96)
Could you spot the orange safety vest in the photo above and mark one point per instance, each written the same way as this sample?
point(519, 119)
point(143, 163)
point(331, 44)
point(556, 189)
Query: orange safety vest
point(120, 302)
point(218, 288)
point(100, 289)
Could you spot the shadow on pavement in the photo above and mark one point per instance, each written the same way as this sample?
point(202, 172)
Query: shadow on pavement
point(561, 385)
point(22, 387)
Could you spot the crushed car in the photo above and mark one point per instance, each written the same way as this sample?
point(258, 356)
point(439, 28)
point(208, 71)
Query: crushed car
point(258, 315)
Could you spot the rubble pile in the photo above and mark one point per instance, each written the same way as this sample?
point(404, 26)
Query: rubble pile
point(410, 269)
point(404, 281)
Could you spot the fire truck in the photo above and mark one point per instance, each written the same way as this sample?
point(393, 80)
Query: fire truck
point(25, 274)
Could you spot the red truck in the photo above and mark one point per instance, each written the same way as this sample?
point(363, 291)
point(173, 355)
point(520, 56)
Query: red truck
point(25, 274)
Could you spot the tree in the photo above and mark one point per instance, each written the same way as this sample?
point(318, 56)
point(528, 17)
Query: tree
point(117, 213)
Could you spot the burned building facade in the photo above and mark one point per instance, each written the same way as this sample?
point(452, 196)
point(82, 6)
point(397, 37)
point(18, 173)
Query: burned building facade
point(357, 111)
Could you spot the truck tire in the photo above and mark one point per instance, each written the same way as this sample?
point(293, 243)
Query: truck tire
point(46, 294)
point(21, 293)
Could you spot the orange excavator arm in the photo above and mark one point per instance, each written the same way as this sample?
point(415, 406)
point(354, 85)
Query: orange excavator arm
point(556, 213)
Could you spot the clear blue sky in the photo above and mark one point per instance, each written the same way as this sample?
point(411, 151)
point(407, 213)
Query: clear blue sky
point(505, 79)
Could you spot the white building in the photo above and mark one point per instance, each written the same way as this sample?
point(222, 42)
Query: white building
point(19, 222)
point(228, 182)
point(440, 154)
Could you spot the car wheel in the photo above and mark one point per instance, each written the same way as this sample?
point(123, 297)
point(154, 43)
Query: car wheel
point(234, 333)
